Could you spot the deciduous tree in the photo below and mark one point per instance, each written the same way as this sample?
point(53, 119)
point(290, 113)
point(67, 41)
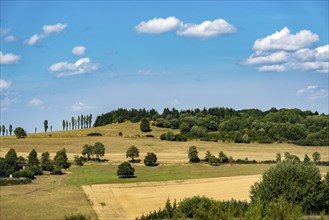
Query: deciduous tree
point(45, 125)
point(125, 170)
point(132, 152)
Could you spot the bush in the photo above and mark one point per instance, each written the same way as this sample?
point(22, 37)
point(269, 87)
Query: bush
point(76, 217)
point(36, 170)
point(48, 166)
point(150, 159)
point(14, 181)
point(298, 183)
point(149, 135)
point(57, 171)
point(23, 173)
point(79, 160)
point(94, 134)
point(125, 170)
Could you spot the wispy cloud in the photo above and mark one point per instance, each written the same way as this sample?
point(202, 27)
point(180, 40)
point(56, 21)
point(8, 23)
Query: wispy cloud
point(4, 84)
point(283, 51)
point(10, 39)
point(81, 66)
point(79, 50)
point(9, 58)
point(313, 92)
point(205, 29)
point(80, 107)
point(35, 102)
point(35, 39)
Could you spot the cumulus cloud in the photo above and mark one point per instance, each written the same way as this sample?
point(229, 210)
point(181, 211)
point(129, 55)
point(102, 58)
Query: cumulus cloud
point(158, 25)
point(9, 58)
point(79, 50)
point(81, 66)
point(4, 84)
point(206, 29)
point(35, 102)
point(284, 40)
point(35, 39)
point(313, 92)
point(10, 39)
point(79, 107)
point(56, 28)
point(283, 51)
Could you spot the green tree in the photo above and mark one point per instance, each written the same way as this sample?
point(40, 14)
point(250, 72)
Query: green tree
point(125, 170)
point(11, 157)
point(222, 157)
point(33, 158)
point(207, 156)
point(278, 157)
point(306, 159)
point(67, 124)
point(132, 152)
point(20, 132)
point(145, 125)
point(193, 154)
point(46, 163)
point(87, 151)
point(298, 183)
point(90, 120)
point(79, 120)
point(3, 130)
point(10, 129)
point(60, 159)
point(45, 125)
point(98, 150)
point(73, 122)
point(150, 159)
point(63, 124)
point(316, 157)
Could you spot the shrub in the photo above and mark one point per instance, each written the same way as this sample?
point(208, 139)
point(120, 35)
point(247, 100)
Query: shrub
point(94, 134)
point(125, 170)
point(79, 160)
point(57, 171)
point(23, 173)
point(14, 181)
point(298, 183)
point(150, 159)
point(36, 170)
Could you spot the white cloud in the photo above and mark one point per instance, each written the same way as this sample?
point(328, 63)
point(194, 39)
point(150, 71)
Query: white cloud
point(81, 66)
point(10, 39)
point(9, 58)
point(79, 50)
point(280, 52)
point(158, 25)
point(56, 28)
point(283, 40)
point(34, 40)
point(35, 102)
point(313, 92)
point(206, 29)
point(79, 107)
point(4, 84)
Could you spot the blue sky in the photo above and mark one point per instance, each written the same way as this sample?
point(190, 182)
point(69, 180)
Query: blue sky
point(63, 59)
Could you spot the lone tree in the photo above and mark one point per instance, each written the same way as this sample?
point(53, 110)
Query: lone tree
point(316, 157)
point(10, 129)
point(193, 154)
point(150, 159)
point(20, 132)
point(3, 130)
point(45, 125)
point(125, 170)
point(145, 125)
point(33, 158)
point(98, 150)
point(132, 152)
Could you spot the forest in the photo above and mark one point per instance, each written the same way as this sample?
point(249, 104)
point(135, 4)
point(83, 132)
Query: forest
point(294, 126)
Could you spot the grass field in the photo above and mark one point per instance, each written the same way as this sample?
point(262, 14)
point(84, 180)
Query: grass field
point(93, 174)
point(47, 197)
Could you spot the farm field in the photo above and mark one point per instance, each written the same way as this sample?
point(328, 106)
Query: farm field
point(127, 201)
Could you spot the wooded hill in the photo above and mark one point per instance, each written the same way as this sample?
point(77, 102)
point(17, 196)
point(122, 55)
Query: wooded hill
point(226, 124)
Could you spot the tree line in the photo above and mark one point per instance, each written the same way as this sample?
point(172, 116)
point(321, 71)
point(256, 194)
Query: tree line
point(229, 125)
point(6, 131)
point(82, 121)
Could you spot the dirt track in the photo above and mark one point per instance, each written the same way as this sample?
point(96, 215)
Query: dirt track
point(127, 201)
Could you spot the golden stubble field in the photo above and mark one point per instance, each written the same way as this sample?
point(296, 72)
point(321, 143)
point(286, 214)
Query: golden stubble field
point(127, 201)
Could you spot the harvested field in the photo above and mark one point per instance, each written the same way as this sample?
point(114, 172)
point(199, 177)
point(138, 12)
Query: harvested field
point(127, 201)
